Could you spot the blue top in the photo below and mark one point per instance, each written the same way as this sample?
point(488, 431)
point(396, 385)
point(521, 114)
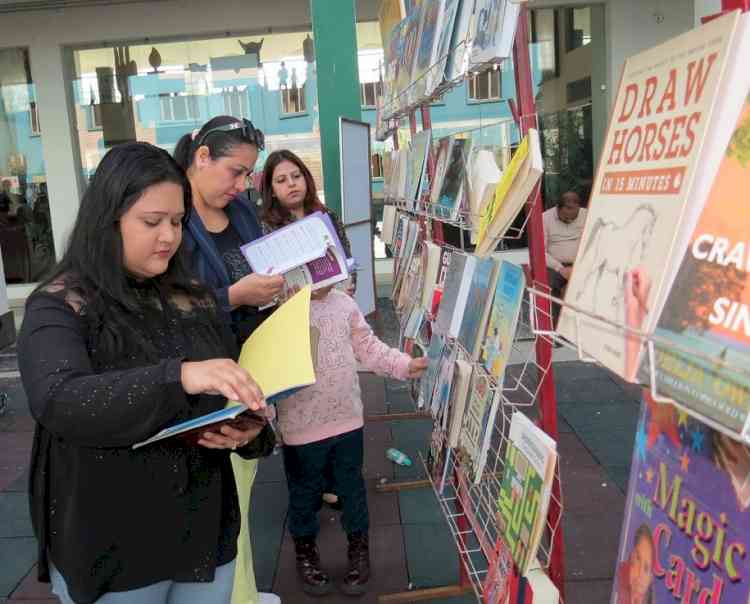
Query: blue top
point(205, 259)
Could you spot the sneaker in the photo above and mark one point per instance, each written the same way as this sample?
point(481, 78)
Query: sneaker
point(267, 598)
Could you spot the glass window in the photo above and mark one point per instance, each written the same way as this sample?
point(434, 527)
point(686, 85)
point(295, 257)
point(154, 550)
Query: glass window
point(369, 93)
point(578, 27)
point(485, 86)
point(543, 41)
point(158, 91)
point(25, 227)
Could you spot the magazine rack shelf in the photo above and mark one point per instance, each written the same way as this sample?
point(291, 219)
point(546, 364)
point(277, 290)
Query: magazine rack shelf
point(468, 508)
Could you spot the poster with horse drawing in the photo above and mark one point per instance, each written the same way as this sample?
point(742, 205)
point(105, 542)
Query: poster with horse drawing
point(654, 164)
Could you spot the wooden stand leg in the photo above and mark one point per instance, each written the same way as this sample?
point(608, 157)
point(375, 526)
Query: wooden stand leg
point(430, 593)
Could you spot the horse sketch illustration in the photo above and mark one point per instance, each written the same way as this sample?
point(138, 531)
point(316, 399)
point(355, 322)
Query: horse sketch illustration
point(610, 250)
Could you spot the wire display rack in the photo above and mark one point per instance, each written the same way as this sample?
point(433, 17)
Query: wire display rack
point(469, 508)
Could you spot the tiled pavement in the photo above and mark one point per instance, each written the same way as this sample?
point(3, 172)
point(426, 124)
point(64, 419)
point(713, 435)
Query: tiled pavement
point(411, 544)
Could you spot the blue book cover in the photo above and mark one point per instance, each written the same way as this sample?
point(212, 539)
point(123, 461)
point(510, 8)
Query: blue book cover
point(478, 303)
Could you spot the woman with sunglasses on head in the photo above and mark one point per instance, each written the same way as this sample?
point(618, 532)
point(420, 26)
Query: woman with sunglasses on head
point(116, 344)
point(218, 159)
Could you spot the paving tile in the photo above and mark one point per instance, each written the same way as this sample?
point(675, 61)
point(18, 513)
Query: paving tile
point(268, 510)
point(373, 393)
point(17, 556)
point(605, 417)
point(15, 458)
point(388, 562)
point(412, 437)
point(588, 592)
point(589, 490)
point(17, 417)
point(420, 506)
point(619, 475)
point(14, 512)
point(441, 566)
point(591, 542)
point(31, 589)
point(20, 484)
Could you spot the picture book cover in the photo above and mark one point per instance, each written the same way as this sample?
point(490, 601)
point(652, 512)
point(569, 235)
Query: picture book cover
point(453, 181)
point(482, 173)
point(503, 319)
point(458, 59)
point(441, 165)
point(511, 194)
point(431, 16)
point(708, 308)
point(442, 48)
point(478, 424)
point(496, 585)
point(685, 530)
point(458, 397)
point(656, 167)
point(478, 304)
point(417, 166)
point(523, 500)
point(455, 294)
point(407, 53)
point(431, 258)
point(495, 29)
point(441, 394)
point(429, 379)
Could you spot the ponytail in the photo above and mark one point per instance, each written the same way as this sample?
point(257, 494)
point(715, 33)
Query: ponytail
point(183, 151)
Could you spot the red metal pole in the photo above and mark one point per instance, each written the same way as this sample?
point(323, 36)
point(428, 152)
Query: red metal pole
point(537, 259)
point(730, 5)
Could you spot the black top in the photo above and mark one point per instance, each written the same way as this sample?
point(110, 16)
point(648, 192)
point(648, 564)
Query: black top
point(111, 518)
point(245, 318)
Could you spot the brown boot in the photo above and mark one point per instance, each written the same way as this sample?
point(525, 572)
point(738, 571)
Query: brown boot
point(315, 581)
point(358, 575)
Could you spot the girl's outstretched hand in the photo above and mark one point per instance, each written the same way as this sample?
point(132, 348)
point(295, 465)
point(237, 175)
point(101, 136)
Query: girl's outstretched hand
point(417, 367)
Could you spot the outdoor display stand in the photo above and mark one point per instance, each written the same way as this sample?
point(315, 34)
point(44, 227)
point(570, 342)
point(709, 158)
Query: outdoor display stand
point(470, 509)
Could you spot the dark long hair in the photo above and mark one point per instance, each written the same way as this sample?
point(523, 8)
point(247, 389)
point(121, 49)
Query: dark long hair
point(272, 212)
point(93, 264)
point(220, 144)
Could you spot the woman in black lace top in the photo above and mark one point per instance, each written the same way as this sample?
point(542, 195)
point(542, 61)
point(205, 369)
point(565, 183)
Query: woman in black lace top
point(117, 344)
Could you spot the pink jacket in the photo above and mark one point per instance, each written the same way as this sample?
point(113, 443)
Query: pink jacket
point(333, 405)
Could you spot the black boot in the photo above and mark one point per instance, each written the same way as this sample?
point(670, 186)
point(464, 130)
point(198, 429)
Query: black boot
point(315, 581)
point(358, 575)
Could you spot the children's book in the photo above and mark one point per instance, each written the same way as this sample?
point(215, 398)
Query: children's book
point(455, 294)
point(686, 524)
point(708, 309)
point(441, 165)
point(478, 424)
point(459, 395)
point(429, 378)
point(495, 29)
point(503, 319)
point(478, 305)
point(431, 257)
point(441, 51)
point(417, 166)
point(452, 186)
point(496, 584)
point(523, 501)
point(511, 194)
point(441, 394)
point(430, 22)
point(482, 173)
point(674, 112)
point(407, 53)
point(306, 252)
point(458, 59)
point(279, 355)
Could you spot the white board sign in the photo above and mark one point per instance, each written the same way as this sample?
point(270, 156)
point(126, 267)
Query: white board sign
point(356, 185)
point(360, 238)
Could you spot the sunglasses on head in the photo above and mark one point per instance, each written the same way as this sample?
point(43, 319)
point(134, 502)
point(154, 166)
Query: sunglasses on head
point(244, 127)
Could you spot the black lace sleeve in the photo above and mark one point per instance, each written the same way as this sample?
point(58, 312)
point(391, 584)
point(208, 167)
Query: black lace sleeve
point(66, 396)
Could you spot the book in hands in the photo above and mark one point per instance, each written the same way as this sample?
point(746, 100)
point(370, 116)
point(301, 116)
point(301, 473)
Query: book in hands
point(278, 355)
point(306, 252)
point(191, 431)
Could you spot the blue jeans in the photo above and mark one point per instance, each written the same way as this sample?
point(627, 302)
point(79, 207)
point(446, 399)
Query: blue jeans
point(219, 591)
point(307, 467)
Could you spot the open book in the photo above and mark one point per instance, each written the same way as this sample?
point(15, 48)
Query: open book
point(279, 355)
point(306, 252)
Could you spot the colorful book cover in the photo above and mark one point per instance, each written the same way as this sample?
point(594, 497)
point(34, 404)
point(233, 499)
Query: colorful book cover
point(407, 53)
point(477, 426)
point(478, 305)
point(495, 29)
point(429, 379)
point(685, 530)
point(453, 182)
point(455, 294)
point(441, 394)
point(503, 319)
point(442, 46)
point(656, 167)
point(431, 12)
point(708, 308)
point(525, 489)
point(441, 165)
point(457, 403)
point(496, 585)
point(417, 166)
point(458, 59)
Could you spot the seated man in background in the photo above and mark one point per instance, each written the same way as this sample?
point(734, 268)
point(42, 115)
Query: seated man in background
point(563, 229)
